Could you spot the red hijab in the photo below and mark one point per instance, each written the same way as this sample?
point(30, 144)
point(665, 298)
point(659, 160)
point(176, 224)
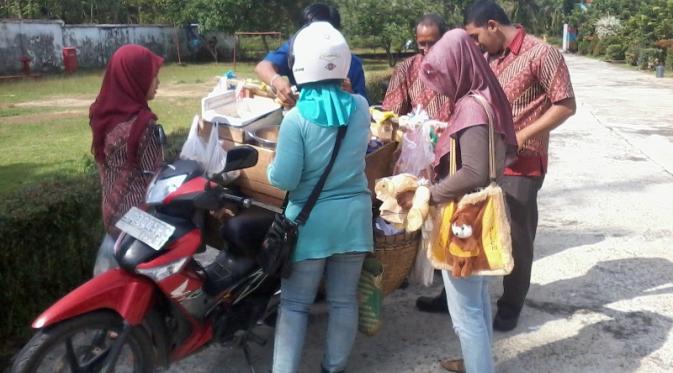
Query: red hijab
point(455, 67)
point(123, 95)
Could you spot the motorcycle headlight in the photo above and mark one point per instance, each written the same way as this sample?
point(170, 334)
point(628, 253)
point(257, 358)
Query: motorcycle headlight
point(160, 188)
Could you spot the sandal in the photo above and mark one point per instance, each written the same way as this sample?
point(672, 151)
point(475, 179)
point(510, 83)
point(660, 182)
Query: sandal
point(453, 365)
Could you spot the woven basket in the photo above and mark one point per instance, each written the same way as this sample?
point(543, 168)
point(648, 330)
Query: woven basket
point(397, 254)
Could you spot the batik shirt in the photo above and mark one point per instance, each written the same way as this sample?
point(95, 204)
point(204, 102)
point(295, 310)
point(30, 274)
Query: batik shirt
point(406, 92)
point(534, 76)
point(124, 186)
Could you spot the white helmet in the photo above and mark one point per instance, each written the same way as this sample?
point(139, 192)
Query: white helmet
point(319, 52)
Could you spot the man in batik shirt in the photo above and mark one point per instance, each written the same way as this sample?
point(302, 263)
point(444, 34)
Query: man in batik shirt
point(405, 91)
point(537, 83)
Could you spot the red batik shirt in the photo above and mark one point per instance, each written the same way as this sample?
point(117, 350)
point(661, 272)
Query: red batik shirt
point(534, 76)
point(406, 92)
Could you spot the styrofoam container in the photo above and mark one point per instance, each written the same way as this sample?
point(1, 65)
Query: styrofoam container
point(223, 107)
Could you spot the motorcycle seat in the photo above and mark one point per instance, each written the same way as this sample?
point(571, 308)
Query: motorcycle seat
point(225, 271)
point(245, 231)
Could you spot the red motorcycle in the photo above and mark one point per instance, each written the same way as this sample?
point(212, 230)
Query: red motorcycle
point(161, 304)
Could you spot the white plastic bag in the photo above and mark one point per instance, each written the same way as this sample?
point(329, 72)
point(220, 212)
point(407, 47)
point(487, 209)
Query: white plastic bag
point(414, 119)
point(208, 152)
point(417, 153)
point(423, 272)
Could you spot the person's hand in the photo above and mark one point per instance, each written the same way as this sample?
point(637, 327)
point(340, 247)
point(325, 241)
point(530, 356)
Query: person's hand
point(222, 213)
point(405, 199)
point(347, 86)
point(284, 92)
point(521, 139)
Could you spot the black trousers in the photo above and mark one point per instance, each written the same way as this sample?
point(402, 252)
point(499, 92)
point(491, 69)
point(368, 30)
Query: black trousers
point(521, 193)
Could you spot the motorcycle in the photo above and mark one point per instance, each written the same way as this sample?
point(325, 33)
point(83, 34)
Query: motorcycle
point(161, 305)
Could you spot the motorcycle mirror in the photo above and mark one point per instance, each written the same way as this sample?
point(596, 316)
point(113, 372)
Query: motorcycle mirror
point(161, 134)
point(240, 157)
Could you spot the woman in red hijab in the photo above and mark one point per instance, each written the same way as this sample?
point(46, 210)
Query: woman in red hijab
point(125, 142)
point(456, 68)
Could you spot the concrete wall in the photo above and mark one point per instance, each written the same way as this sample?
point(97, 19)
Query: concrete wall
point(44, 41)
point(95, 44)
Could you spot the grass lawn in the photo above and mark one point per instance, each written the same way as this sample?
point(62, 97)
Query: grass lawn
point(44, 129)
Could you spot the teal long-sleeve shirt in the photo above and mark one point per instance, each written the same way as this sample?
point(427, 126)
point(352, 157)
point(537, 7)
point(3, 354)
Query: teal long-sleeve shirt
point(341, 220)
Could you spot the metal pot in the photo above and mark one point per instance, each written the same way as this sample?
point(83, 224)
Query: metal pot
point(264, 136)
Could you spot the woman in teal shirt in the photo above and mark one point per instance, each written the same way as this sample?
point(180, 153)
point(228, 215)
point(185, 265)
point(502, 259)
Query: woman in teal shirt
point(338, 232)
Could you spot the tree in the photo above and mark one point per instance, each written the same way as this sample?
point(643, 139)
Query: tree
point(389, 23)
point(524, 11)
point(243, 15)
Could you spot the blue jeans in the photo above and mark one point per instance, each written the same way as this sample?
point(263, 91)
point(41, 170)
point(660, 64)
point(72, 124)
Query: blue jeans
point(470, 309)
point(297, 295)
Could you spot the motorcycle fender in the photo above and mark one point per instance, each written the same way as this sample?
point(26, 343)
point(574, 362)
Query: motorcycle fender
point(129, 295)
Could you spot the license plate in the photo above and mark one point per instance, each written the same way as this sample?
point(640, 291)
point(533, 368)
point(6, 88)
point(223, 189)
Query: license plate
point(146, 228)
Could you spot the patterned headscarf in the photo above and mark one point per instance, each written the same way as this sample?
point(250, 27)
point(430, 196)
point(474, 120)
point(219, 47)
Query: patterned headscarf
point(456, 68)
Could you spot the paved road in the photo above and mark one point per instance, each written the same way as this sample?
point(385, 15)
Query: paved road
point(601, 298)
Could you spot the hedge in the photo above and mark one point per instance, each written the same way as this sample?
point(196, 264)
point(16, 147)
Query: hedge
point(377, 84)
point(595, 47)
point(669, 59)
point(649, 58)
point(615, 52)
point(631, 55)
point(50, 233)
point(584, 47)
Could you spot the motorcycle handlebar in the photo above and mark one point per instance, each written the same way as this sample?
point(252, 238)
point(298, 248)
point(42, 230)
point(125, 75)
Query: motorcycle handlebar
point(244, 202)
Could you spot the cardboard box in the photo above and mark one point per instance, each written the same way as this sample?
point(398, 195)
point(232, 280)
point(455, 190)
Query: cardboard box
point(253, 180)
point(380, 163)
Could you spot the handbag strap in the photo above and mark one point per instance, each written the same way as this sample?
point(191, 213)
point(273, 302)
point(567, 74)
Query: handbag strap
point(491, 141)
point(313, 197)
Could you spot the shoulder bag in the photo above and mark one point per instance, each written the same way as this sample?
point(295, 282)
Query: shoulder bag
point(275, 255)
point(472, 235)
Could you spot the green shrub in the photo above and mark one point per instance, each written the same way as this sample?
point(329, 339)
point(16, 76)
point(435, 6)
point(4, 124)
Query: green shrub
point(596, 47)
point(615, 52)
point(631, 55)
point(649, 58)
point(377, 84)
point(50, 235)
point(174, 144)
point(556, 41)
point(584, 47)
point(601, 47)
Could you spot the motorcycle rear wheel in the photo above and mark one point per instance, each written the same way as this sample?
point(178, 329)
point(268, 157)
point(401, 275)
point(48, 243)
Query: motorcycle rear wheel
point(81, 344)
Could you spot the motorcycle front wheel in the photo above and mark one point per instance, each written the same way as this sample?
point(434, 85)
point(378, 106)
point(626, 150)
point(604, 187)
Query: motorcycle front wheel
point(82, 344)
